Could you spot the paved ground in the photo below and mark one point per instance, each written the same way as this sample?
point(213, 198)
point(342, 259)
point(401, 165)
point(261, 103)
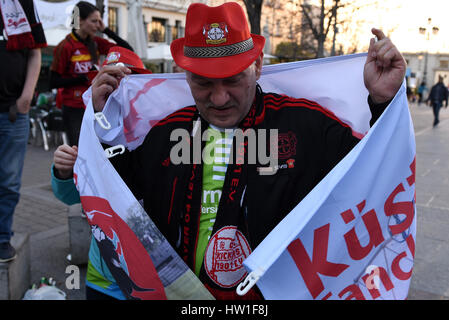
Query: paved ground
point(431, 277)
point(42, 216)
point(45, 219)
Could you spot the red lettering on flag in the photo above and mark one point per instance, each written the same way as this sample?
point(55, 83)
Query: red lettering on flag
point(355, 249)
point(405, 207)
point(310, 268)
point(411, 179)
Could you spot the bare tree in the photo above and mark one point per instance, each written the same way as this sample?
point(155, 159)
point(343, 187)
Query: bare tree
point(254, 11)
point(319, 20)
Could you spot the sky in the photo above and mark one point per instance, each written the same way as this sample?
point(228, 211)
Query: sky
point(401, 19)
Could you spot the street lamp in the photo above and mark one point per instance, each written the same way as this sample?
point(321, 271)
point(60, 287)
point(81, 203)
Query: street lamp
point(426, 32)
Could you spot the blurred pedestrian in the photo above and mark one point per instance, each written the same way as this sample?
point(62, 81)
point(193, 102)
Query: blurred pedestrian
point(437, 95)
point(74, 57)
point(20, 62)
point(421, 89)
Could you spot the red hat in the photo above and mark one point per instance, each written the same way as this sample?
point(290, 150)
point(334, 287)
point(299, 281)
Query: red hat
point(217, 42)
point(127, 57)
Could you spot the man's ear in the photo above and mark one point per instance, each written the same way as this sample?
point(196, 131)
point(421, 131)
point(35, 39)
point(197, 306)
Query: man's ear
point(259, 63)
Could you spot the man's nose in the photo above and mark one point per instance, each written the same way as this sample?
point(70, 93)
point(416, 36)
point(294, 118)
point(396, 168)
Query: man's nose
point(219, 95)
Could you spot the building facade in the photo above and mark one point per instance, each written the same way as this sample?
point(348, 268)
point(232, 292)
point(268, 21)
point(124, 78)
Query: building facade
point(419, 70)
point(164, 20)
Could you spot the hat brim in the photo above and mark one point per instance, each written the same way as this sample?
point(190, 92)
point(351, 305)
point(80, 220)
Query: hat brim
point(92, 74)
point(222, 67)
point(139, 70)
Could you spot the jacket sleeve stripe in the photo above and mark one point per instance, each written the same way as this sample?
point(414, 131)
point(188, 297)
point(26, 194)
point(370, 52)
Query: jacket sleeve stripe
point(320, 109)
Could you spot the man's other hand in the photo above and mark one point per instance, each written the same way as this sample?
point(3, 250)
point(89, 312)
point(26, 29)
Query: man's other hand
point(384, 68)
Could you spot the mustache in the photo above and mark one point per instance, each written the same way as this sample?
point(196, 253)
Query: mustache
point(225, 106)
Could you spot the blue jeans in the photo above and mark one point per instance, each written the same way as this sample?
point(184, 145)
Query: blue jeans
point(13, 143)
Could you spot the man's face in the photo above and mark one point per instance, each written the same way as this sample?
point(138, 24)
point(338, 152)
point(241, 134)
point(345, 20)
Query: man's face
point(225, 102)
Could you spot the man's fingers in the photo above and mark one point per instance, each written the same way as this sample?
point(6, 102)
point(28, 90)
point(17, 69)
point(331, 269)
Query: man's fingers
point(107, 79)
point(371, 51)
point(65, 164)
point(389, 56)
point(382, 47)
point(383, 51)
point(378, 33)
point(117, 71)
point(64, 158)
point(64, 148)
point(105, 83)
point(385, 54)
point(105, 90)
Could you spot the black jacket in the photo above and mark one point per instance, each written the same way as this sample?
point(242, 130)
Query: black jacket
point(438, 93)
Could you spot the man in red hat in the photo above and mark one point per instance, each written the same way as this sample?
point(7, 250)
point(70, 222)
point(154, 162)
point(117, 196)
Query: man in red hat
point(215, 213)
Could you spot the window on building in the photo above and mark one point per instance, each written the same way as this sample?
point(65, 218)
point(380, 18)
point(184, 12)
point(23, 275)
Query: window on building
point(156, 30)
point(444, 64)
point(113, 19)
point(177, 30)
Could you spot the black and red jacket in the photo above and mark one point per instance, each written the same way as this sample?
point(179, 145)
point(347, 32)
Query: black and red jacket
point(311, 141)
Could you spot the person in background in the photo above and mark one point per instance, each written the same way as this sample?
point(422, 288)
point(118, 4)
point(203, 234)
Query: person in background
point(421, 89)
point(21, 40)
point(74, 57)
point(437, 95)
point(100, 284)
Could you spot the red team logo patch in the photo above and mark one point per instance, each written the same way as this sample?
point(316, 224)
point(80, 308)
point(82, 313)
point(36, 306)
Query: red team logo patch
point(286, 145)
point(224, 257)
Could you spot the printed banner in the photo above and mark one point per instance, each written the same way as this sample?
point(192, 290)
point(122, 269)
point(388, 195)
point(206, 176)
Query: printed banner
point(139, 257)
point(353, 236)
point(142, 100)
point(333, 243)
point(57, 14)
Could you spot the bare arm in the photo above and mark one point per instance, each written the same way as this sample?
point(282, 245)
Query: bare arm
point(33, 70)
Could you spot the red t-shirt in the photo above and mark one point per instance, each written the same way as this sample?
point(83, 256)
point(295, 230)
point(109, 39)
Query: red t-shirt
point(71, 59)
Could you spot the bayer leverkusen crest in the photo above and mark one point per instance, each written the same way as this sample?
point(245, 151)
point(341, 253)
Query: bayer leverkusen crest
point(112, 57)
point(215, 33)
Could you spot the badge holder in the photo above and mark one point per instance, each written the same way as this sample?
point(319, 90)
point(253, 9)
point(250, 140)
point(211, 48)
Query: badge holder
point(104, 123)
point(249, 282)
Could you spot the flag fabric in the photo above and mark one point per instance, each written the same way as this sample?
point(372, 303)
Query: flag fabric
point(140, 259)
point(331, 245)
point(353, 236)
point(142, 100)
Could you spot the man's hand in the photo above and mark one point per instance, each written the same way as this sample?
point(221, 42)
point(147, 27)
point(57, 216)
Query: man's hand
point(64, 159)
point(23, 104)
point(384, 68)
point(106, 81)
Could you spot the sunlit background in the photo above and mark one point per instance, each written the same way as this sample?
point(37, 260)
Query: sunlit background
point(401, 20)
